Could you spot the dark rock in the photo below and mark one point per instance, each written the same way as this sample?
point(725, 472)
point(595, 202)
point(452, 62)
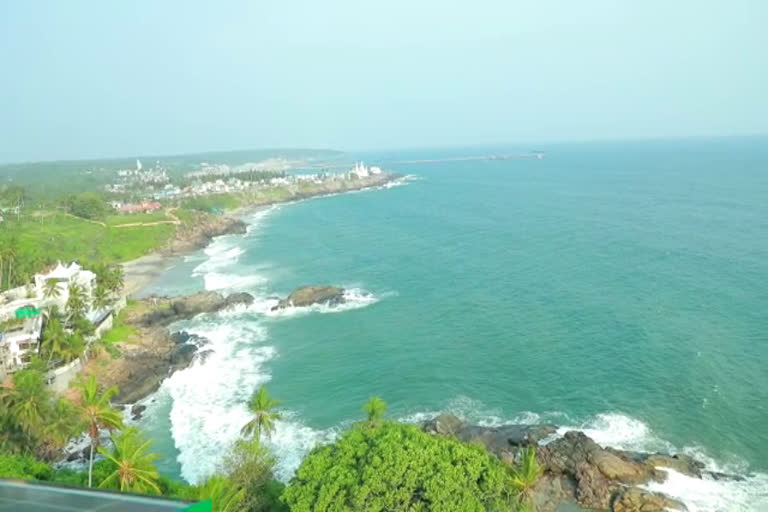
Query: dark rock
point(183, 308)
point(180, 337)
point(203, 355)
point(137, 410)
point(238, 298)
point(634, 499)
point(598, 473)
point(183, 355)
point(445, 424)
point(309, 295)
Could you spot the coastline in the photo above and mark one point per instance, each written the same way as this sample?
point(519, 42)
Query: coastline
point(140, 272)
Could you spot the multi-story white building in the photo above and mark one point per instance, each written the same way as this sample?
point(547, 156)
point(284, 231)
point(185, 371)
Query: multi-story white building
point(19, 341)
point(64, 278)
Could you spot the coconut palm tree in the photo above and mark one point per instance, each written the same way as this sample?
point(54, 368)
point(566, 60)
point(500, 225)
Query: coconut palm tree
point(100, 297)
point(262, 407)
point(116, 279)
point(97, 412)
point(73, 347)
point(224, 495)
point(54, 336)
point(374, 410)
point(135, 469)
point(77, 302)
point(62, 425)
point(526, 473)
point(27, 402)
point(51, 289)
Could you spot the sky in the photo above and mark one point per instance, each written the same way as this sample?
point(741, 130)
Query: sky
point(92, 79)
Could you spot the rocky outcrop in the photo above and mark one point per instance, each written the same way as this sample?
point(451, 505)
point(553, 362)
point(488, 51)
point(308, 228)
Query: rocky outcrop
point(309, 295)
point(165, 310)
point(576, 469)
point(639, 500)
point(157, 353)
point(199, 232)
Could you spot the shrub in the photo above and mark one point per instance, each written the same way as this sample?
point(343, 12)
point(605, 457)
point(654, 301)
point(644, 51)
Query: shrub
point(397, 467)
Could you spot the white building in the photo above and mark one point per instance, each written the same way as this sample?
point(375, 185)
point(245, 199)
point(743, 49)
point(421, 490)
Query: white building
point(64, 277)
point(19, 341)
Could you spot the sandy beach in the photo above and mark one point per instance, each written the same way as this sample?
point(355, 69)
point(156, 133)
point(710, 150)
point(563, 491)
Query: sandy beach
point(140, 272)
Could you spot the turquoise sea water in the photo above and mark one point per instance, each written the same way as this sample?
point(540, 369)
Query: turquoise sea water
point(620, 288)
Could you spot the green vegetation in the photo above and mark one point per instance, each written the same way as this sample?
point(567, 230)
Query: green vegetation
point(213, 202)
point(262, 407)
point(34, 242)
point(88, 205)
point(377, 465)
point(399, 467)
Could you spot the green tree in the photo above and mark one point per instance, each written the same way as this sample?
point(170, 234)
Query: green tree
point(77, 302)
point(374, 410)
point(100, 297)
point(54, 337)
point(224, 495)
point(51, 289)
point(248, 466)
point(526, 473)
point(63, 423)
point(73, 347)
point(262, 407)
point(134, 468)
point(23, 467)
point(88, 206)
point(28, 402)
point(97, 413)
point(398, 467)
point(116, 279)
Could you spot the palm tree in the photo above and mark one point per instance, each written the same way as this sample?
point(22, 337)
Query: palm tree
point(135, 469)
point(116, 279)
point(54, 336)
point(63, 424)
point(51, 289)
point(73, 347)
point(374, 410)
point(224, 495)
point(97, 413)
point(27, 403)
point(526, 473)
point(100, 297)
point(77, 302)
point(261, 406)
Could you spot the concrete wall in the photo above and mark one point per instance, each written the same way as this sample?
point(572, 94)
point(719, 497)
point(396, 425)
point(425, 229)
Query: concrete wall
point(59, 378)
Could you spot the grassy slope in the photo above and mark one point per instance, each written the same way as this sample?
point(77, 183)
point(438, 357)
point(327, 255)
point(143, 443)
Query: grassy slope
point(44, 240)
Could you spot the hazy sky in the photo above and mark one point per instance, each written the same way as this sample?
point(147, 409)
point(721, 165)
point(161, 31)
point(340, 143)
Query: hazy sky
point(102, 78)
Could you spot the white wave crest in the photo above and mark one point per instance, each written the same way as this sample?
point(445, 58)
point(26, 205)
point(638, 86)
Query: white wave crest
point(208, 399)
point(354, 298)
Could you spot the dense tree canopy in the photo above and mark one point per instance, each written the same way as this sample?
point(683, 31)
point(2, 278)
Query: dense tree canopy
point(396, 467)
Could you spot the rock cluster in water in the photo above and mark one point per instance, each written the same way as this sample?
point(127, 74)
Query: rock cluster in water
point(576, 469)
point(309, 295)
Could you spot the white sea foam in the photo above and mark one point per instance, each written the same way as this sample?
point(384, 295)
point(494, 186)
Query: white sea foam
point(354, 298)
point(208, 399)
point(215, 281)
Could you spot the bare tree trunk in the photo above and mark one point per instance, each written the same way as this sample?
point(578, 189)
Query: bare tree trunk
point(90, 467)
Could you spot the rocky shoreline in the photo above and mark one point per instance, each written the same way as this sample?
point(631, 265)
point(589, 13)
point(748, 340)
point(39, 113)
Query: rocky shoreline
point(578, 471)
point(157, 352)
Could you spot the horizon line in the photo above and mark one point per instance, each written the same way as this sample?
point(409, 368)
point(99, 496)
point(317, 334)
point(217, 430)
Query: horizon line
point(386, 149)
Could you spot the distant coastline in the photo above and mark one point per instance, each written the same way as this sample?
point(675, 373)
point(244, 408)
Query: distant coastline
point(141, 271)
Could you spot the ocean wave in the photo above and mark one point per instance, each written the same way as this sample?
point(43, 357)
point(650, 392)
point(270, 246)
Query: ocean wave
point(208, 405)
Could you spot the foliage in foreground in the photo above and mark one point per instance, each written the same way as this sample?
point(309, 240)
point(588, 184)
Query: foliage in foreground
point(397, 467)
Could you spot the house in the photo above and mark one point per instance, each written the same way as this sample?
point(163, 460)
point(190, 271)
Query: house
point(19, 341)
point(64, 277)
point(143, 207)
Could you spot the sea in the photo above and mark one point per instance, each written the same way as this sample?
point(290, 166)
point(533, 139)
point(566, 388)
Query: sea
point(618, 288)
